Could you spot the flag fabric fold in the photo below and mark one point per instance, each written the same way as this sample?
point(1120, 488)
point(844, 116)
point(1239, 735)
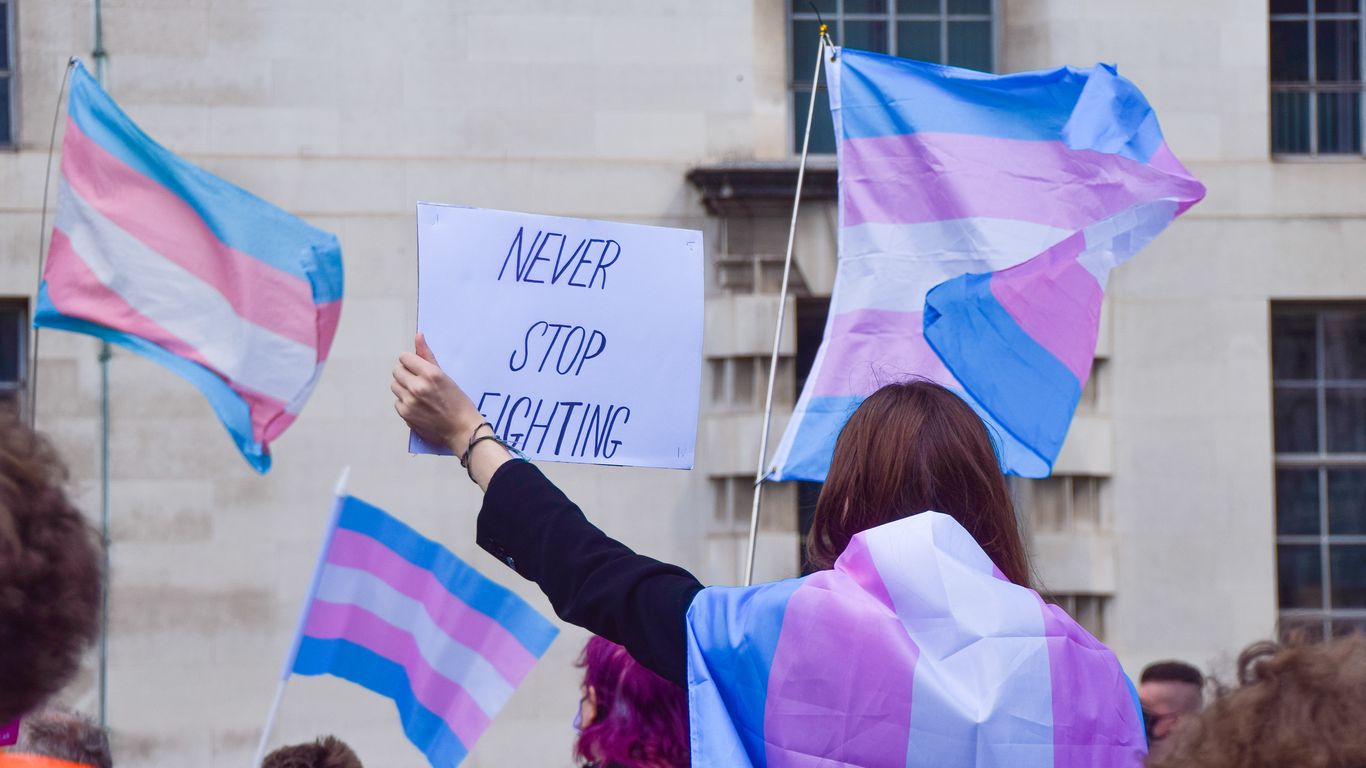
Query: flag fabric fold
point(914, 649)
point(154, 254)
point(980, 216)
point(401, 615)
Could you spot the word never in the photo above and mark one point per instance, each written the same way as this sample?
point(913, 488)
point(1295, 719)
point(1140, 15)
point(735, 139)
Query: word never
point(525, 271)
point(591, 429)
point(585, 350)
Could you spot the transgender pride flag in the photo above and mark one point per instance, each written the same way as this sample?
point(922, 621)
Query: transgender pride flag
point(399, 614)
point(913, 650)
point(979, 219)
point(156, 255)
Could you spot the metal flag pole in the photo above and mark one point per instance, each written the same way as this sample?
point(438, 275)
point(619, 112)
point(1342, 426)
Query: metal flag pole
point(762, 473)
point(339, 499)
point(100, 55)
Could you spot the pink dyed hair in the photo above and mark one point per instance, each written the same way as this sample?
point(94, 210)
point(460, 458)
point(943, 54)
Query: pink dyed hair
point(642, 719)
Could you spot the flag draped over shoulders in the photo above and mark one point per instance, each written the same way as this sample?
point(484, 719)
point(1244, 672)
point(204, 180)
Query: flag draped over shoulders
point(152, 253)
point(914, 649)
point(980, 216)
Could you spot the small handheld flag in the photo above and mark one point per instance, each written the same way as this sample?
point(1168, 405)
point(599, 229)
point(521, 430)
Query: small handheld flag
point(980, 216)
point(154, 254)
point(400, 615)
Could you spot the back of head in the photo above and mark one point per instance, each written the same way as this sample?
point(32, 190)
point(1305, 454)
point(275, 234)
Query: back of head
point(49, 573)
point(1171, 672)
point(326, 752)
point(642, 719)
point(1301, 704)
point(64, 735)
point(909, 448)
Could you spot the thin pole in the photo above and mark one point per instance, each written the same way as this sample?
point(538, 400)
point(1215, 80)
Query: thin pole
point(762, 472)
point(32, 404)
point(339, 499)
point(99, 55)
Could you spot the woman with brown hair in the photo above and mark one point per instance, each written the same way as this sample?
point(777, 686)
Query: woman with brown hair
point(823, 668)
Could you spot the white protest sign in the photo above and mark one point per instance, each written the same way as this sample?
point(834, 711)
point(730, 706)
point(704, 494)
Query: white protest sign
point(579, 340)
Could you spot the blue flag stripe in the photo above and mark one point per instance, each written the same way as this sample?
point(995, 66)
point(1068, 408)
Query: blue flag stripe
point(480, 593)
point(344, 659)
point(237, 217)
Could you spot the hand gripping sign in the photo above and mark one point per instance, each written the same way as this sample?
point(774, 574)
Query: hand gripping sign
point(579, 340)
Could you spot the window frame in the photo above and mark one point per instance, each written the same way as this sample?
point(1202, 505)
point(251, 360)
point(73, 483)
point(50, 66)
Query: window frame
point(1321, 460)
point(835, 20)
point(1314, 88)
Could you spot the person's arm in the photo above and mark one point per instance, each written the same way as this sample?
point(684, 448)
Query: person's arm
point(527, 523)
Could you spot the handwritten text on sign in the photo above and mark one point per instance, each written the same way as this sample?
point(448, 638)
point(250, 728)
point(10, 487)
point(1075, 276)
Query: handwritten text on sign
point(579, 340)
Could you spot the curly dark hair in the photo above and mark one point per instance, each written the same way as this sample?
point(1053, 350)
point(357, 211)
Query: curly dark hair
point(64, 735)
point(49, 572)
point(1300, 704)
point(326, 752)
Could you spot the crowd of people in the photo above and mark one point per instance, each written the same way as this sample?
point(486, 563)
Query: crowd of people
point(1302, 703)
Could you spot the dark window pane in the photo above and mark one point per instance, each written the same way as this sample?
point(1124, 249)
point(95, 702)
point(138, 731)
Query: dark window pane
point(1344, 345)
point(1335, 6)
point(1337, 51)
point(1344, 627)
point(4, 35)
point(865, 6)
point(1339, 123)
point(1347, 564)
point(918, 6)
point(866, 35)
point(1347, 502)
point(11, 346)
point(1292, 346)
point(1289, 6)
point(970, 44)
point(1297, 423)
point(918, 40)
point(970, 6)
point(1289, 51)
point(822, 126)
point(1345, 415)
point(1304, 630)
point(1290, 123)
point(1299, 576)
point(6, 134)
point(824, 6)
point(1297, 501)
point(805, 42)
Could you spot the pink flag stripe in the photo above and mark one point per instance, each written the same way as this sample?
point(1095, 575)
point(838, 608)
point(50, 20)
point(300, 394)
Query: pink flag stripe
point(465, 625)
point(438, 693)
point(329, 315)
point(899, 180)
point(79, 293)
point(867, 348)
point(160, 219)
point(1055, 300)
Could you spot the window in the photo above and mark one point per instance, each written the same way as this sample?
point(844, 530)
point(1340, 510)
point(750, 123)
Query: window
point(733, 505)
point(8, 93)
point(957, 32)
point(13, 351)
point(1319, 374)
point(1061, 503)
point(1316, 80)
point(1086, 610)
point(742, 382)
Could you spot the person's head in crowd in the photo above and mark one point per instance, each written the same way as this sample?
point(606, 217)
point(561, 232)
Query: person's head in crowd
point(1169, 691)
point(909, 448)
point(1301, 704)
point(64, 735)
point(326, 752)
point(49, 573)
point(628, 716)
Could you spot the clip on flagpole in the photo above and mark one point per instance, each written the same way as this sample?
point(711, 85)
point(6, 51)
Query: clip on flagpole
point(338, 500)
point(762, 473)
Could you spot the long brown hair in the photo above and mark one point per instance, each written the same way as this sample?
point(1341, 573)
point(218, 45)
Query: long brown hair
point(912, 447)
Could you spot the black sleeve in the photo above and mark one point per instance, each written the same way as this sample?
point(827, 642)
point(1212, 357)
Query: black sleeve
point(591, 579)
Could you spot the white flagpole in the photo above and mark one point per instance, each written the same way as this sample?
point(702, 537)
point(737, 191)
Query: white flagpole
point(762, 472)
point(339, 500)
